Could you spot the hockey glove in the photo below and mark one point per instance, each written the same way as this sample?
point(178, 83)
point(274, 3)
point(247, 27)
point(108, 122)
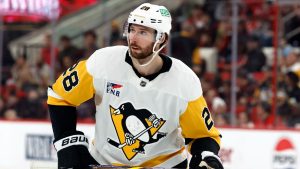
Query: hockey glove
point(72, 151)
point(207, 160)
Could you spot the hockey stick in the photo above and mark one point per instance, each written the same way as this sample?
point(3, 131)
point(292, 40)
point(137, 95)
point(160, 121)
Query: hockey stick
point(118, 145)
point(120, 167)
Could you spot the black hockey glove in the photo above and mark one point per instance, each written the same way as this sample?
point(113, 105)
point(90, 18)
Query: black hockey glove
point(72, 151)
point(207, 160)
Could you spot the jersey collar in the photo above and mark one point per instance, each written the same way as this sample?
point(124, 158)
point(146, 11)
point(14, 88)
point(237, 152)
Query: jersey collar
point(167, 63)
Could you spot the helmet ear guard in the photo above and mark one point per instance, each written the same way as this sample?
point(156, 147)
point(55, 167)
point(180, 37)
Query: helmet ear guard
point(160, 36)
point(125, 29)
point(163, 39)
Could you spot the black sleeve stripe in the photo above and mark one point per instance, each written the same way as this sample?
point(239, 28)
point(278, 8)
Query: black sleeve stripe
point(187, 140)
point(204, 144)
point(63, 119)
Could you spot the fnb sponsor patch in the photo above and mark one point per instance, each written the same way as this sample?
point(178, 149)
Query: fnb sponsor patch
point(113, 88)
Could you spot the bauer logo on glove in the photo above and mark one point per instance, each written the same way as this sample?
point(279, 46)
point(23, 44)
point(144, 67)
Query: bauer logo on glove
point(70, 141)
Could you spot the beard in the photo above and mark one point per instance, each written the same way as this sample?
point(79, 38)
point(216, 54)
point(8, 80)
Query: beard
point(140, 53)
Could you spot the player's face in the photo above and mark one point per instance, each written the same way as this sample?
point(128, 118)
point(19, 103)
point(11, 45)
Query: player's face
point(141, 41)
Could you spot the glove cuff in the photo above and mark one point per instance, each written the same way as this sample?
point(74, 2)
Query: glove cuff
point(78, 139)
point(205, 154)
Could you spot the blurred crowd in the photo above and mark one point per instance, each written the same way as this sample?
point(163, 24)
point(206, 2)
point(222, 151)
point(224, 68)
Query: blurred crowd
point(195, 26)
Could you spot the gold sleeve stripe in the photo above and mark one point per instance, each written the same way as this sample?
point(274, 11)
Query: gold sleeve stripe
point(57, 102)
point(192, 123)
point(157, 160)
point(75, 85)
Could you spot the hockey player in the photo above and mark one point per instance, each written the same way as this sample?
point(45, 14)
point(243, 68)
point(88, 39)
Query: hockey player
point(148, 105)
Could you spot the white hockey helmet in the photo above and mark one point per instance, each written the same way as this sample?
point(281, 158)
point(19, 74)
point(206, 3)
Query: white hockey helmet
point(153, 16)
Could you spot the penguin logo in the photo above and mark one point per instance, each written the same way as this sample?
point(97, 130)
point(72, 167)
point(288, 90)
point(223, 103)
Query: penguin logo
point(135, 129)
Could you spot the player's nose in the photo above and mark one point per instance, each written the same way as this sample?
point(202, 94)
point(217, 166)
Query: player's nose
point(133, 37)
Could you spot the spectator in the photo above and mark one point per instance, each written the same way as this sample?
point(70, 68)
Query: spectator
point(242, 37)
point(243, 84)
point(46, 50)
point(294, 119)
point(183, 44)
point(220, 114)
point(293, 90)
point(41, 75)
point(198, 63)
point(244, 121)
point(199, 19)
point(10, 114)
point(222, 12)
point(285, 51)
point(220, 120)
point(264, 32)
point(243, 104)
point(11, 100)
point(255, 58)
point(22, 74)
point(181, 14)
point(31, 106)
point(67, 62)
point(262, 115)
point(284, 109)
point(292, 62)
point(222, 42)
point(90, 44)
point(205, 40)
point(115, 34)
point(224, 89)
point(67, 50)
point(219, 105)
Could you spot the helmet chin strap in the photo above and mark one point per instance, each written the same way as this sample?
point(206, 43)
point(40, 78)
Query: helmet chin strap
point(153, 55)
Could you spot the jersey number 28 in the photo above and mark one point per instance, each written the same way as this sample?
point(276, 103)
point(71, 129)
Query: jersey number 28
point(206, 116)
point(71, 80)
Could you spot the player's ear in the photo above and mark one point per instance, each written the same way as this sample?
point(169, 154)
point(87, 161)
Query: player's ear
point(163, 39)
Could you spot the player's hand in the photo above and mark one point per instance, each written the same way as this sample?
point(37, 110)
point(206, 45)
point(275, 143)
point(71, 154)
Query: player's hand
point(129, 139)
point(207, 160)
point(72, 151)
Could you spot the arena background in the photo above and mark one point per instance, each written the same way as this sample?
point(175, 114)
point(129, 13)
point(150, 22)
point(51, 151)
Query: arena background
point(246, 53)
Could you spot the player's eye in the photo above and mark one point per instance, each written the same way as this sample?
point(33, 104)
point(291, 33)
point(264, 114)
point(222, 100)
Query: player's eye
point(143, 33)
point(131, 30)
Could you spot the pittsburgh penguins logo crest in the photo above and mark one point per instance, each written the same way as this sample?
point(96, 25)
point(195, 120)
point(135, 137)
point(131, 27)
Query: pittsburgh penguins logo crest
point(135, 129)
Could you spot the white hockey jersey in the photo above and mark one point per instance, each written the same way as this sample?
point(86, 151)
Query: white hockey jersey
point(127, 105)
